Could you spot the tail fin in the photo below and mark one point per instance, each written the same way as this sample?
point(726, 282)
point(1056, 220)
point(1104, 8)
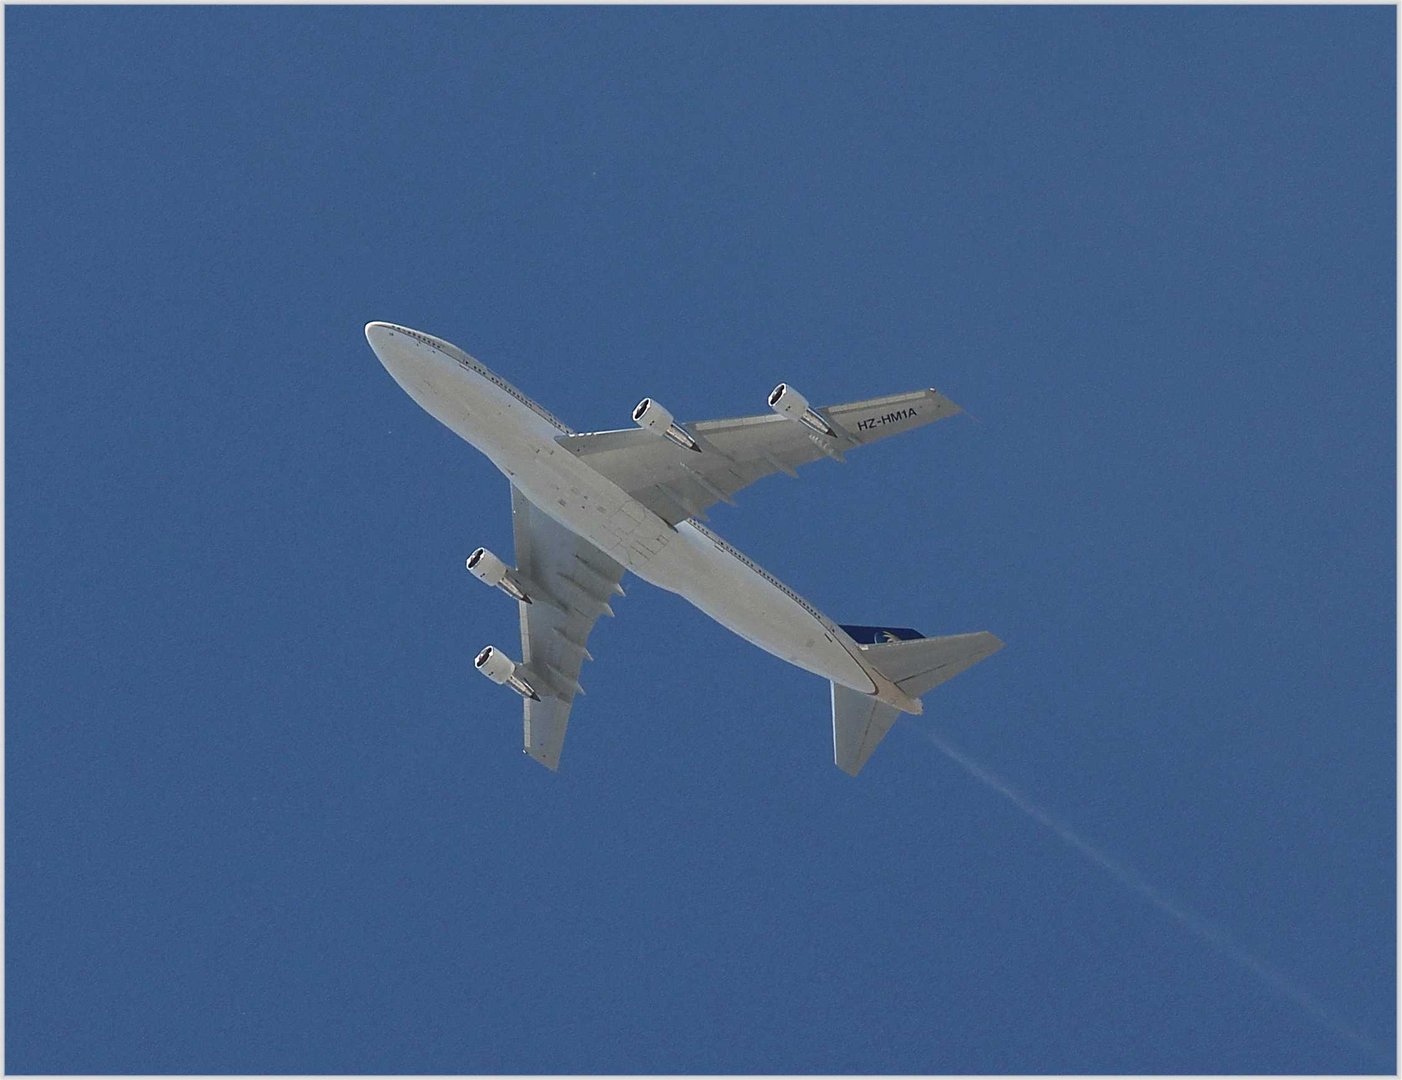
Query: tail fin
point(859, 722)
point(916, 664)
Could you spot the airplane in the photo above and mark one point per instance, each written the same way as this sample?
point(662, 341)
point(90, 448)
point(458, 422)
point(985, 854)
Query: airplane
point(588, 507)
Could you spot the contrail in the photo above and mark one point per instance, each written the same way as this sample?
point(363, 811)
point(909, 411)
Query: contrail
point(1209, 932)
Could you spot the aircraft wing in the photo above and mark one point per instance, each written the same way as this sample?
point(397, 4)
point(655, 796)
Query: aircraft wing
point(676, 482)
point(573, 583)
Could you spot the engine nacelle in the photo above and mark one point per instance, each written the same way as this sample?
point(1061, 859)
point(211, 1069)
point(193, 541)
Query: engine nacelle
point(495, 664)
point(486, 567)
point(650, 416)
point(788, 402)
point(503, 671)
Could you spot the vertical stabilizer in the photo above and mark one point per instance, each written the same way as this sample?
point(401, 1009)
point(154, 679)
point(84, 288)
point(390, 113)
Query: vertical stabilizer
point(859, 722)
point(915, 664)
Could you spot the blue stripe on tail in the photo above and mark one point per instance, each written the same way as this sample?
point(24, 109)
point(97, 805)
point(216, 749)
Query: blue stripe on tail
point(880, 635)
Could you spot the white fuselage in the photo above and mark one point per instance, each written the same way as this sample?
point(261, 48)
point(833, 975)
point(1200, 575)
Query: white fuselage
point(519, 437)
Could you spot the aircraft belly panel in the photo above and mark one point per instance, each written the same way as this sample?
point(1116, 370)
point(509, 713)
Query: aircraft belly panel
point(682, 561)
point(584, 502)
point(754, 608)
point(688, 563)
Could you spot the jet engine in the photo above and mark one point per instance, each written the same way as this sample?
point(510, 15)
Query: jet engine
point(488, 568)
point(650, 416)
point(788, 402)
point(504, 671)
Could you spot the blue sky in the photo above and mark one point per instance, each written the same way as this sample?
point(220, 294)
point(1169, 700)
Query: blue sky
point(262, 815)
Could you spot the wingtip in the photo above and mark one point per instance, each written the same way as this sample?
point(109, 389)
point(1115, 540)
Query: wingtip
point(552, 764)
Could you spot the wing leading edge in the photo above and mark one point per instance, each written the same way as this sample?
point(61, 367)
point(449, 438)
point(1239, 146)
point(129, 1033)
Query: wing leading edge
point(574, 583)
point(677, 483)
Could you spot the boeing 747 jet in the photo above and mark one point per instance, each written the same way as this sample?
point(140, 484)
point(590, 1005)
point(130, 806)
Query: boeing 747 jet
point(588, 507)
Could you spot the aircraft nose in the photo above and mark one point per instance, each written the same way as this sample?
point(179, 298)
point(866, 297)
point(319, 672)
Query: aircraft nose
point(390, 346)
point(402, 350)
point(408, 356)
point(377, 333)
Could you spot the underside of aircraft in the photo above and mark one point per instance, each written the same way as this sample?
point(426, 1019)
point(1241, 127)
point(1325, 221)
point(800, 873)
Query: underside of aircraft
point(587, 508)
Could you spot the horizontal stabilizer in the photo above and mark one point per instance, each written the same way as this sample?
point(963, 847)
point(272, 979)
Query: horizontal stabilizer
point(919, 666)
point(916, 664)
